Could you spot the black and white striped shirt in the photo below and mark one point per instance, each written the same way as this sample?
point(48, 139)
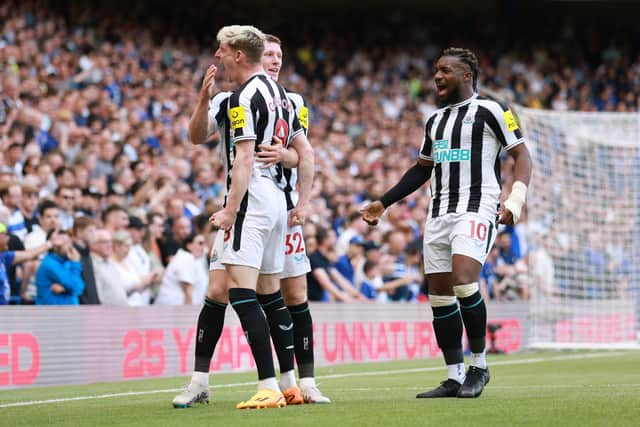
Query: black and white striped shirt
point(218, 119)
point(290, 176)
point(258, 110)
point(464, 142)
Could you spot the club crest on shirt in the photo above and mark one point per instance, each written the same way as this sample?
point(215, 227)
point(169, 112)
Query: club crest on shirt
point(468, 120)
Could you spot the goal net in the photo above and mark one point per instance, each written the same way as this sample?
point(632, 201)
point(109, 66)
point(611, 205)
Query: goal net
point(583, 228)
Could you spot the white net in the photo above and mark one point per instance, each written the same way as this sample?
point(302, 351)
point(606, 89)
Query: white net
point(583, 228)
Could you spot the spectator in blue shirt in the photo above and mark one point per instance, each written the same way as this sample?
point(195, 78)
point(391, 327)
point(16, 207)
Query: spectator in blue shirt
point(59, 277)
point(10, 258)
point(352, 259)
point(6, 261)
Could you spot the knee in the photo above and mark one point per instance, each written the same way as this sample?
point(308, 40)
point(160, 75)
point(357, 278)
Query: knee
point(294, 290)
point(466, 290)
point(217, 294)
point(218, 289)
point(464, 277)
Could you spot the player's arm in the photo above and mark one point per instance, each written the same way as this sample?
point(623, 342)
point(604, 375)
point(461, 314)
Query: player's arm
point(270, 155)
point(242, 169)
point(511, 209)
point(412, 179)
point(507, 131)
point(199, 126)
point(306, 167)
point(242, 120)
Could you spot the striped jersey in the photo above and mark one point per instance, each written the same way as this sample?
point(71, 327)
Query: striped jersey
point(218, 119)
point(258, 110)
point(290, 176)
point(464, 142)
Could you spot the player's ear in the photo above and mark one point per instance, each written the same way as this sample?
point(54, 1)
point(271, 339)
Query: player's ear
point(239, 54)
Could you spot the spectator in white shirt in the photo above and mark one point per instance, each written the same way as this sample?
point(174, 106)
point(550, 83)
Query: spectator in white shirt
point(136, 285)
point(185, 279)
point(11, 197)
point(110, 290)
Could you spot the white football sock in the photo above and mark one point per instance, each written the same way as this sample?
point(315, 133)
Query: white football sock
point(269, 383)
point(308, 382)
point(287, 380)
point(456, 372)
point(200, 378)
point(479, 359)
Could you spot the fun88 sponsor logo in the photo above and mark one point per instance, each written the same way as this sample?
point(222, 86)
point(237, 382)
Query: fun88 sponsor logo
point(443, 154)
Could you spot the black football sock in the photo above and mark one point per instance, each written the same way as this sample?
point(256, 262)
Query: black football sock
point(256, 329)
point(447, 325)
point(210, 324)
point(281, 328)
point(474, 315)
point(303, 338)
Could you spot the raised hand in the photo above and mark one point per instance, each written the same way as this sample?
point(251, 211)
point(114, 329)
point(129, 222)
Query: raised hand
point(209, 82)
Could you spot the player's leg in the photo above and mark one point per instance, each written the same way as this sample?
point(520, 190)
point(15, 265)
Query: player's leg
point(250, 259)
point(293, 284)
point(243, 299)
point(447, 326)
point(447, 323)
point(209, 329)
point(281, 329)
point(473, 238)
point(294, 290)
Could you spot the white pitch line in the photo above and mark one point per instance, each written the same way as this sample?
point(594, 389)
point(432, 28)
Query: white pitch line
point(323, 377)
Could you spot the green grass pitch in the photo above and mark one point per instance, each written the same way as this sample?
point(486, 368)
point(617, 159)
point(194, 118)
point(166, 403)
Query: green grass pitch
point(529, 389)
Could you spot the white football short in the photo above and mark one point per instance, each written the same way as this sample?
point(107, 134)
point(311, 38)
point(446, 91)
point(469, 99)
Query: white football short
point(296, 262)
point(465, 233)
point(257, 237)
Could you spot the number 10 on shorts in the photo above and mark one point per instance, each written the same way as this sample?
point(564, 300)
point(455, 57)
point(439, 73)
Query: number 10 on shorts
point(478, 230)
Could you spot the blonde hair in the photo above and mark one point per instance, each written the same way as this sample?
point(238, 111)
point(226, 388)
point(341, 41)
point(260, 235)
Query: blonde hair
point(246, 38)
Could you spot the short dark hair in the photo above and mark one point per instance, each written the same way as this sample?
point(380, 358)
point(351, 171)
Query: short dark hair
point(152, 215)
point(368, 265)
point(321, 235)
point(82, 223)
point(110, 209)
point(188, 240)
point(46, 204)
point(467, 57)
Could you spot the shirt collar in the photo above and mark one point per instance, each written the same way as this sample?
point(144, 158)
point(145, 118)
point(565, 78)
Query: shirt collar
point(466, 101)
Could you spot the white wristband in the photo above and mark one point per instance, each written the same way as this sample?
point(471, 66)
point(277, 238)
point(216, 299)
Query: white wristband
point(516, 199)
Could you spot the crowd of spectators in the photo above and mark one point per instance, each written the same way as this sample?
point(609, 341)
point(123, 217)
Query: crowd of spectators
point(93, 128)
